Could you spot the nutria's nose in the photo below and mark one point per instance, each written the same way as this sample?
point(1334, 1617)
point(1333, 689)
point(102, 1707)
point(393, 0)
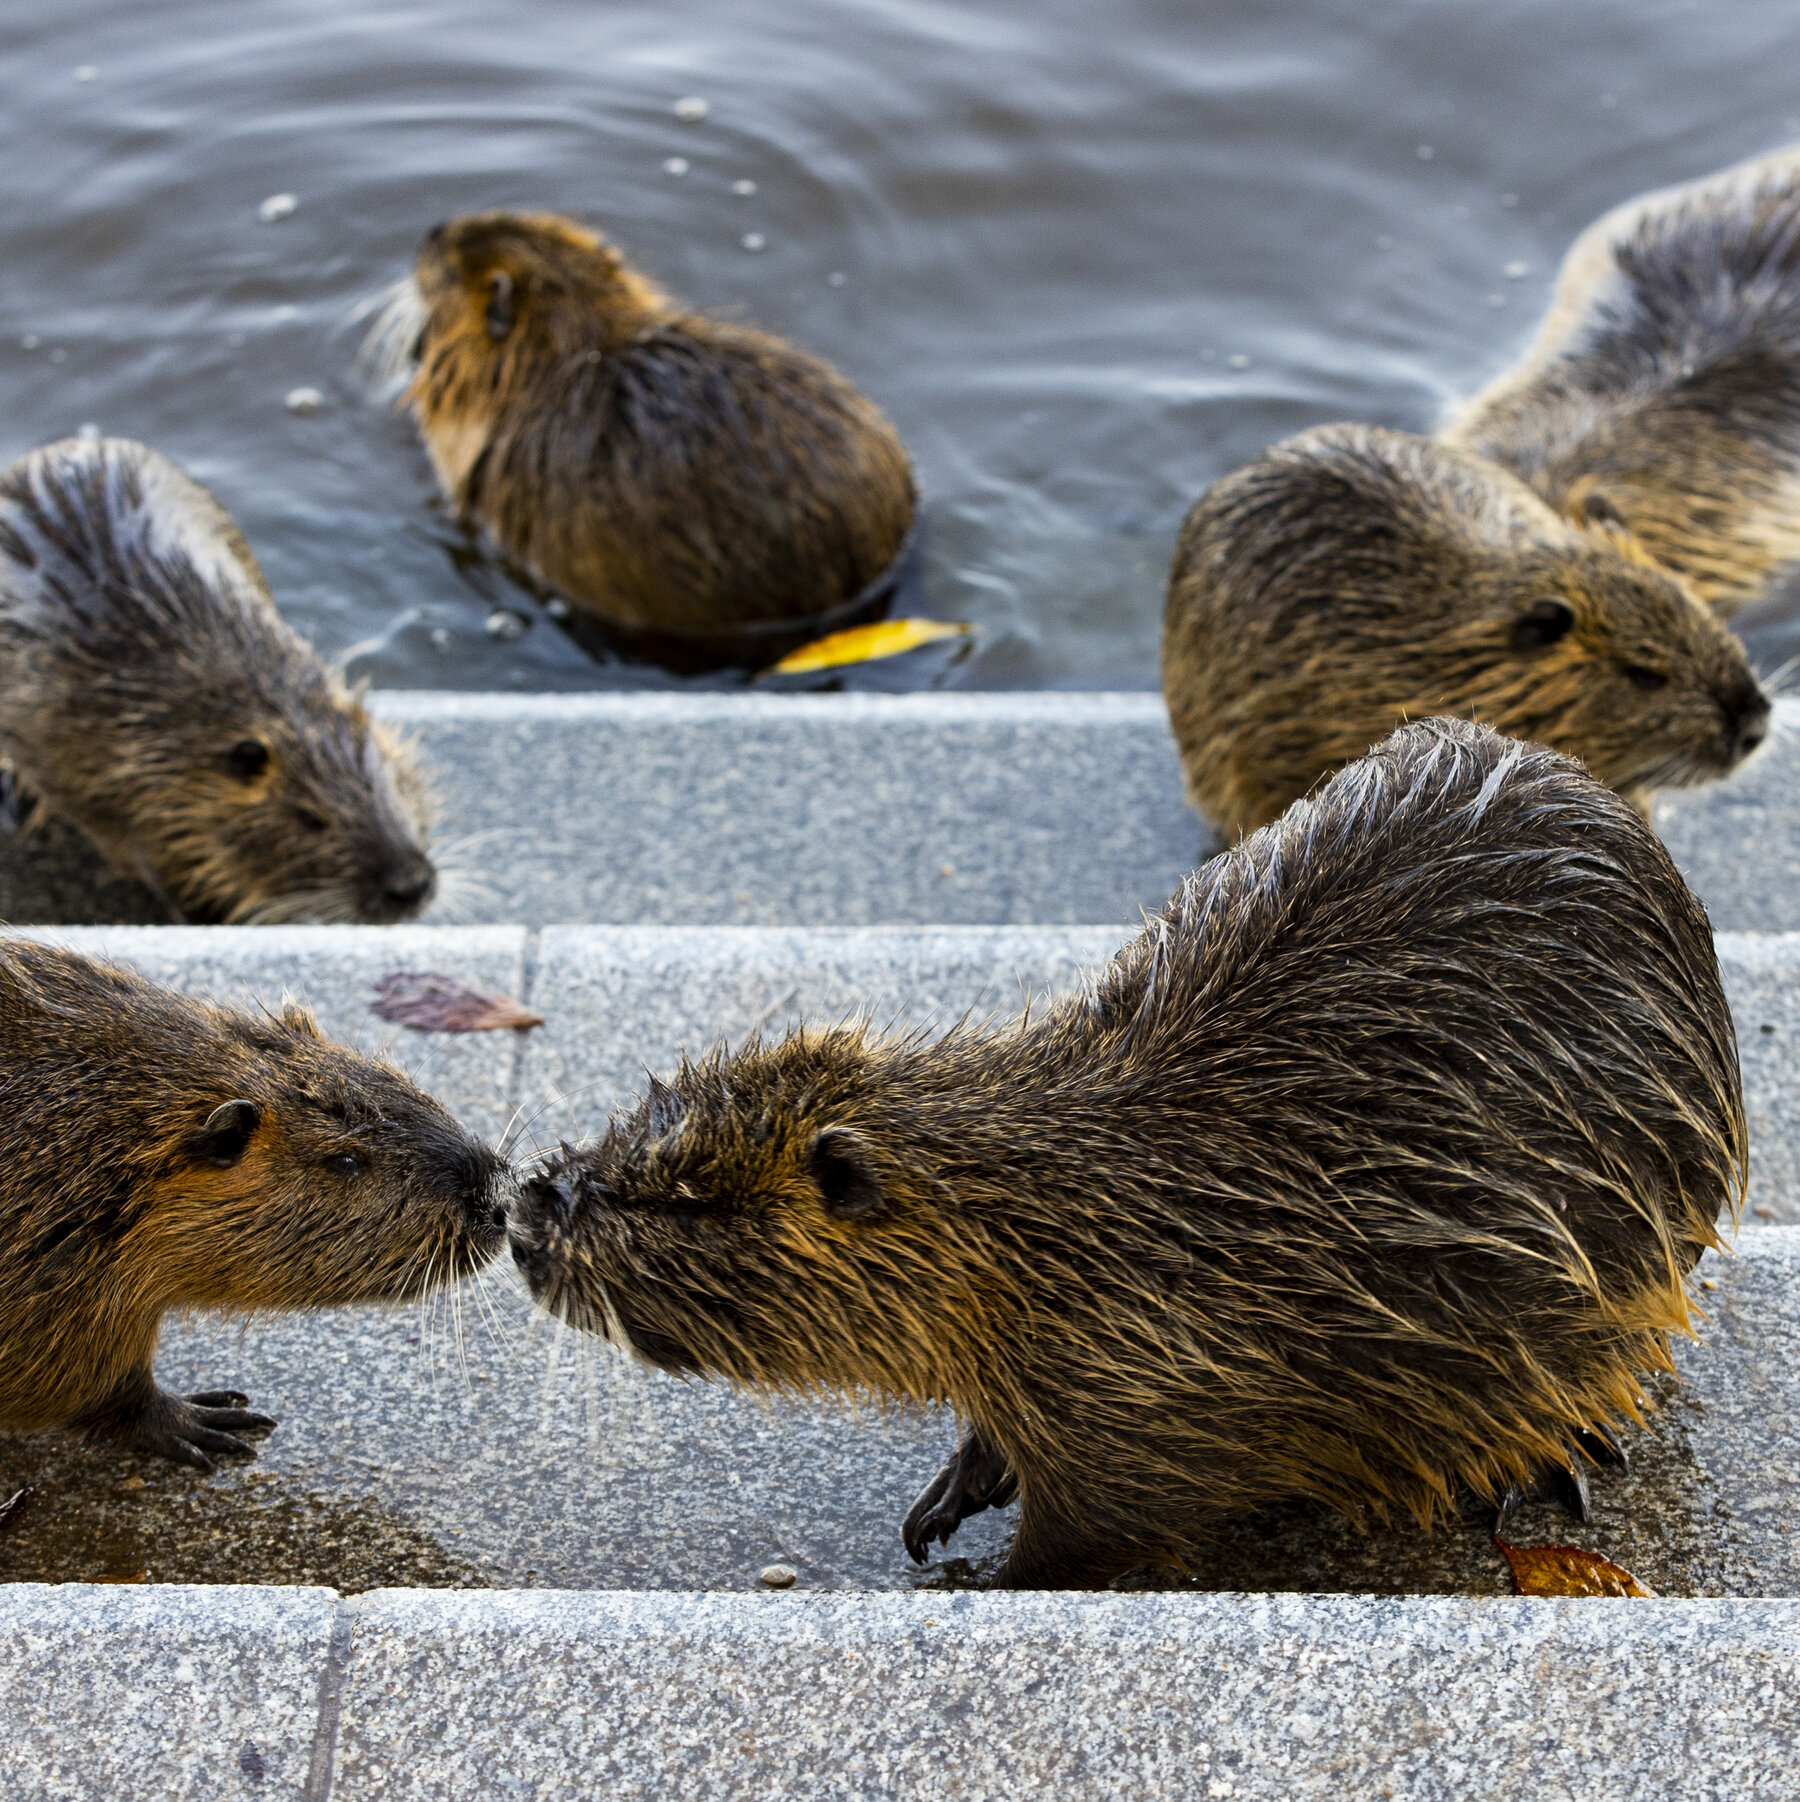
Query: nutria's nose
point(1746, 710)
point(408, 884)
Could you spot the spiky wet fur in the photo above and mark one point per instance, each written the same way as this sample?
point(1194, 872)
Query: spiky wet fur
point(1351, 578)
point(1663, 389)
point(666, 471)
point(108, 1219)
point(138, 646)
point(1371, 1169)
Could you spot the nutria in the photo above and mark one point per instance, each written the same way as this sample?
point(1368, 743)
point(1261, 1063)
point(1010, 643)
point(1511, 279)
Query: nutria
point(157, 1152)
point(1351, 578)
point(686, 483)
point(1662, 392)
point(1371, 1169)
point(151, 695)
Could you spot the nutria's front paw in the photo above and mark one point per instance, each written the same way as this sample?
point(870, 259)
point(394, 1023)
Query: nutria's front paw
point(975, 1479)
point(185, 1431)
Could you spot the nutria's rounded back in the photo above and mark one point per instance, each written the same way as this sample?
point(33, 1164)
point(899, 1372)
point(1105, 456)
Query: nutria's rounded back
point(1662, 393)
point(1352, 578)
point(672, 475)
point(1372, 1167)
point(157, 1152)
point(150, 694)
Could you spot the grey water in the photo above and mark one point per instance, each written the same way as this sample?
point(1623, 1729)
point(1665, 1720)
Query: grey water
point(1087, 257)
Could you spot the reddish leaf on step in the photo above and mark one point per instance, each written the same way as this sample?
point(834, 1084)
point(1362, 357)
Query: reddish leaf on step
point(433, 1002)
point(1567, 1570)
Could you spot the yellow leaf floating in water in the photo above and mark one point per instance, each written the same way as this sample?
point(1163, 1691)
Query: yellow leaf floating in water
point(864, 644)
point(1566, 1570)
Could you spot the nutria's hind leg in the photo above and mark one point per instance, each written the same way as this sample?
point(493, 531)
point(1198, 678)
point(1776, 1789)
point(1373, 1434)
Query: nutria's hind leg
point(144, 1418)
point(1567, 1482)
point(975, 1479)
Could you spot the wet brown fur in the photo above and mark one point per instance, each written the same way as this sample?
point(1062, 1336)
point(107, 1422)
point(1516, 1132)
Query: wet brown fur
point(150, 694)
point(1351, 578)
point(1371, 1169)
point(667, 471)
point(117, 1204)
point(1663, 390)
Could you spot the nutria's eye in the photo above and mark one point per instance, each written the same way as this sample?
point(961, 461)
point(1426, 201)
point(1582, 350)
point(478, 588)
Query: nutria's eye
point(1542, 623)
point(311, 821)
point(345, 1163)
point(1642, 675)
point(847, 1181)
point(222, 1140)
point(499, 306)
point(247, 759)
point(1597, 510)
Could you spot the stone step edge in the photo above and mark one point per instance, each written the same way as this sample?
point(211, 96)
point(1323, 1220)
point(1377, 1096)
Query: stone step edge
point(404, 1693)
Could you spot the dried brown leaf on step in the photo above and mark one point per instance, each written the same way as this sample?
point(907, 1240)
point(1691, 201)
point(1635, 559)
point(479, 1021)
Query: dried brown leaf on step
point(866, 644)
point(1567, 1570)
point(430, 1001)
point(136, 1576)
point(13, 1507)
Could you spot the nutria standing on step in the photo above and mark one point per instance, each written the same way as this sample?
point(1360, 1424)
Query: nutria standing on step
point(688, 484)
point(1351, 578)
point(151, 695)
point(158, 1153)
point(1371, 1169)
point(1662, 392)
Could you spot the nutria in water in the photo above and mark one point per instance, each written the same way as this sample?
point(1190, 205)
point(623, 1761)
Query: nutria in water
point(688, 484)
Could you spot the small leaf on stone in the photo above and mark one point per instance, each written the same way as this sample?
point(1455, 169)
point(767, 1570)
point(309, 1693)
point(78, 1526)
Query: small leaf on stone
point(433, 1002)
point(136, 1576)
point(1567, 1570)
point(864, 644)
point(13, 1507)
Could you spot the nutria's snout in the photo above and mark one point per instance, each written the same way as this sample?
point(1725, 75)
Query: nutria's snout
point(1746, 710)
point(400, 885)
point(490, 1194)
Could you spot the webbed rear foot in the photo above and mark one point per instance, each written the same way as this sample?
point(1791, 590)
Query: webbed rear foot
point(1567, 1482)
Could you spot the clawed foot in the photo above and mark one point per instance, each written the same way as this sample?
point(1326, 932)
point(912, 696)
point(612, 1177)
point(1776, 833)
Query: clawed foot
point(186, 1431)
point(1565, 1483)
point(975, 1479)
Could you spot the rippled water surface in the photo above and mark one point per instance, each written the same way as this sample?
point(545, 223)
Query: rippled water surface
point(1087, 257)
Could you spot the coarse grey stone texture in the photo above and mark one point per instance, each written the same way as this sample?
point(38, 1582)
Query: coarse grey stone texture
point(621, 1000)
point(333, 970)
point(995, 809)
point(117, 1695)
point(1762, 982)
point(981, 1698)
point(811, 810)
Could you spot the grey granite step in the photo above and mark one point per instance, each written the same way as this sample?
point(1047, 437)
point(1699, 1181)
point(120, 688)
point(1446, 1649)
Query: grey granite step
point(836, 810)
point(420, 1696)
point(467, 1443)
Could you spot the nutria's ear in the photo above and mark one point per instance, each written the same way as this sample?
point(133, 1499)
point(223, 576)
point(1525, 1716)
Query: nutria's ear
point(1542, 623)
point(1597, 510)
point(846, 1177)
point(299, 1019)
point(499, 306)
point(227, 1131)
